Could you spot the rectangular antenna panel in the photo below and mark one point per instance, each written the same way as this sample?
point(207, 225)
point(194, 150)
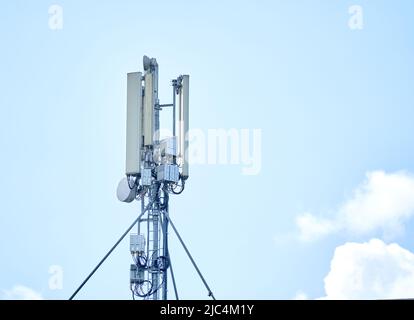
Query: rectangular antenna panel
point(184, 119)
point(134, 124)
point(149, 110)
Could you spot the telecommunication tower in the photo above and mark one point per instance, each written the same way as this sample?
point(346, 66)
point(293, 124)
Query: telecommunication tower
point(155, 169)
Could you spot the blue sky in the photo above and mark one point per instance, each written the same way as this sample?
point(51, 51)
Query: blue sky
point(333, 104)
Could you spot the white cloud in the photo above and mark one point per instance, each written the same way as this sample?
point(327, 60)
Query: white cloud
point(371, 270)
point(382, 202)
point(20, 292)
point(311, 227)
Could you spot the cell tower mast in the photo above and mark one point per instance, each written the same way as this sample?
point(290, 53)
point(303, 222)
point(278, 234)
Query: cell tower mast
point(155, 169)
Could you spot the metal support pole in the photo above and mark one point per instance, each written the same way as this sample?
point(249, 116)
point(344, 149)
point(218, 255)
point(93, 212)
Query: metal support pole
point(173, 278)
point(165, 255)
point(165, 242)
point(155, 245)
point(142, 213)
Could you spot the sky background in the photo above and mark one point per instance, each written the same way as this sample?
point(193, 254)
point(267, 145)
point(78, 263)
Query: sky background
point(332, 103)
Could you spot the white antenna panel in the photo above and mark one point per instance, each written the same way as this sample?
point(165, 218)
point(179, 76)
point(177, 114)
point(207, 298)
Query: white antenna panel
point(148, 110)
point(184, 124)
point(134, 124)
